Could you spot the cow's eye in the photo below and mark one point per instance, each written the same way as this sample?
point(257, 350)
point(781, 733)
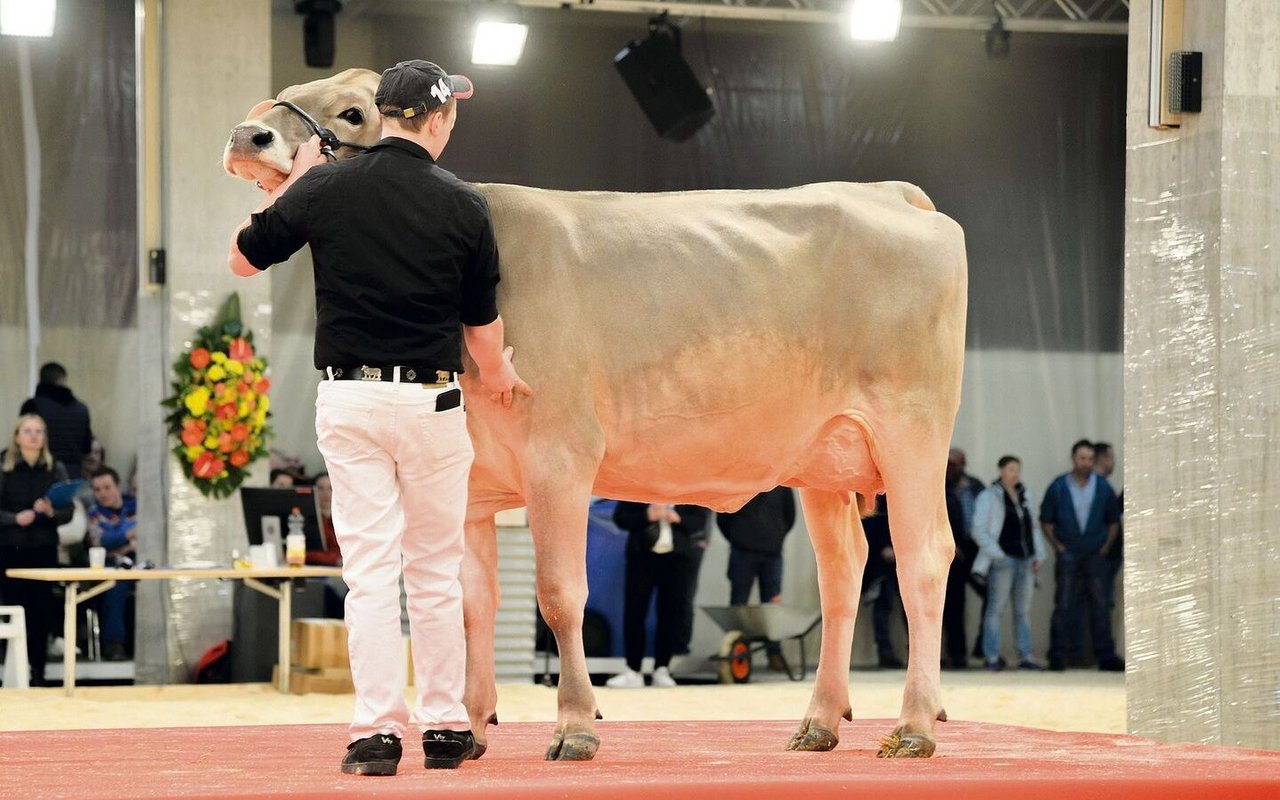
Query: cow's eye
point(353, 116)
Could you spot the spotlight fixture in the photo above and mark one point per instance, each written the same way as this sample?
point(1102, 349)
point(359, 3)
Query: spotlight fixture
point(27, 17)
point(997, 38)
point(317, 30)
point(875, 20)
point(498, 43)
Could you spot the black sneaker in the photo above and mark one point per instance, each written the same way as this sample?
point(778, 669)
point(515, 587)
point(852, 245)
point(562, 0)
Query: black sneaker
point(373, 755)
point(447, 749)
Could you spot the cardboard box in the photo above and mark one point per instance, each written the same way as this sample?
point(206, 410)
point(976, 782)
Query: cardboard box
point(332, 680)
point(319, 644)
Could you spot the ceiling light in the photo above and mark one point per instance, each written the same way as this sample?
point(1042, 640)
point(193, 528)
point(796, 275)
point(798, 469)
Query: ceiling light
point(27, 17)
point(875, 20)
point(499, 43)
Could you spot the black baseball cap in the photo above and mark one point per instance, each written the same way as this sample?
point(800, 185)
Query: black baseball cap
point(418, 86)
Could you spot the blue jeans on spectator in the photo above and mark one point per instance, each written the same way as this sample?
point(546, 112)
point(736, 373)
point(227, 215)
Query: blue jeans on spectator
point(1008, 576)
point(111, 611)
point(1081, 579)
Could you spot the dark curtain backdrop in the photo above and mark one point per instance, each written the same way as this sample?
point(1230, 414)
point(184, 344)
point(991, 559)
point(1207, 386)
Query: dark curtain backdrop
point(1026, 153)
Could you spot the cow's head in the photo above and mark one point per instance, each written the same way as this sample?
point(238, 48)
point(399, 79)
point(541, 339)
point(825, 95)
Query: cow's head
point(261, 148)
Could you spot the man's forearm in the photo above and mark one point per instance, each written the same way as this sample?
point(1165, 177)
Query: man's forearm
point(1113, 532)
point(1048, 529)
point(484, 343)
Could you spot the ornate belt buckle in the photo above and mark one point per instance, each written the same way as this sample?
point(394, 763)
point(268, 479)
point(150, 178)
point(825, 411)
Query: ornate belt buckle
point(370, 373)
point(443, 376)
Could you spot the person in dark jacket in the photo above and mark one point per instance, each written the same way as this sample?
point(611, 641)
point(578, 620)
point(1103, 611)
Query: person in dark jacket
point(29, 531)
point(882, 572)
point(1080, 517)
point(755, 533)
point(664, 544)
point(67, 419)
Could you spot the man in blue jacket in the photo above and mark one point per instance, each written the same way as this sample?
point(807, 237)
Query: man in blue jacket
point(1080, 517)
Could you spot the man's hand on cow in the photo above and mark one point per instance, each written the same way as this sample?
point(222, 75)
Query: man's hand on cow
point(505, 384)
point(310, 153)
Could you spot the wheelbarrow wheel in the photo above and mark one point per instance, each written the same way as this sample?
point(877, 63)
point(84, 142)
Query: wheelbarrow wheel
point(735, 658)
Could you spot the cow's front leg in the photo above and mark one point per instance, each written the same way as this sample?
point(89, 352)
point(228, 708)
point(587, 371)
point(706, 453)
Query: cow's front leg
point(480, 598)
point(558, 492)
point(841, 551)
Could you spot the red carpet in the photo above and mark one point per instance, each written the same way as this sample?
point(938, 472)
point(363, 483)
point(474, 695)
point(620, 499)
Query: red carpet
point(721, 760)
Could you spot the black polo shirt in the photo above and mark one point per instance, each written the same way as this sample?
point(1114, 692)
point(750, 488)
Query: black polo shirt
point(404, 253)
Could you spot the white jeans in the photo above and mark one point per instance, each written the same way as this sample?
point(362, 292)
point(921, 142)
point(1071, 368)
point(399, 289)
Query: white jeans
point(399, 472)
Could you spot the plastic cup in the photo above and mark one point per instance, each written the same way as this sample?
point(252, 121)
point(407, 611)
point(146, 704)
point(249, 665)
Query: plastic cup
point(97, 557)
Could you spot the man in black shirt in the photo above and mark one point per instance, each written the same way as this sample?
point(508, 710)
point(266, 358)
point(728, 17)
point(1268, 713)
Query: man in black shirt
point(404, 259)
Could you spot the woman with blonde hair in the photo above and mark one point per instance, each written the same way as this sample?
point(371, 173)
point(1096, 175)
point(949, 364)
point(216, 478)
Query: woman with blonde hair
point(29, 530)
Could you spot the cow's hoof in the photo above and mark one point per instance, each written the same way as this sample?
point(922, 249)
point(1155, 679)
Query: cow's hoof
point(906, 745)
point(581, 746)
point(478, 749)
point(813, 737)
point(942, 715)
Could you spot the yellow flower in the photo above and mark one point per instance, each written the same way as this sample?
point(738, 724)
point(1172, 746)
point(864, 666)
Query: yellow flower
point(211, 442)
point(235, 367)
point(260, 416)
point(216, 372)
point(218, 356)
point(193, 452)
point(197, 401)
point(244, 410)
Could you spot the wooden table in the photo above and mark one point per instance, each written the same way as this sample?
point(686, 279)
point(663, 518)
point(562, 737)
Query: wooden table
point(107, 578)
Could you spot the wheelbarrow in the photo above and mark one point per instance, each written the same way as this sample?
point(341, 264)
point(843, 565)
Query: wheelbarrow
point(749, 629)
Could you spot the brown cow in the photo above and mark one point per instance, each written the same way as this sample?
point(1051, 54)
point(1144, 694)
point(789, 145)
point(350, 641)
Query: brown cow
point(700, 347)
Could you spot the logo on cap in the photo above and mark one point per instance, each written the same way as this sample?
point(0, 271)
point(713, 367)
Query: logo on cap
point(441, 91)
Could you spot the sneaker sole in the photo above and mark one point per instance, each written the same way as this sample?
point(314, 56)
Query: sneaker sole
point(445, 763)
point(370, 768)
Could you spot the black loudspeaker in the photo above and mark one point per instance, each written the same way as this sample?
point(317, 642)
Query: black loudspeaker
point(317, 30)
point(1185, 71)
point(665, 86)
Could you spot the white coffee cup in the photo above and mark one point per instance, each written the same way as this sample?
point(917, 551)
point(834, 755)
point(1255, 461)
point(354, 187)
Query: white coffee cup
point(97, 557)
point(262, 556)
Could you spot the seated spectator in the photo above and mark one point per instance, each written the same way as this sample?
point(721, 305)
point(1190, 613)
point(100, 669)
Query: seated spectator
point(664, 543)
point(281, 479)
point(755, 533)
point(113, 525)
point(29, 531)
point(335, 589)
point(1008, 536)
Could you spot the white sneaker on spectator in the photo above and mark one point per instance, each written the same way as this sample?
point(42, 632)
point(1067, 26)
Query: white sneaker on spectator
point(626, 680)
point(58, 649)
point(662, 677)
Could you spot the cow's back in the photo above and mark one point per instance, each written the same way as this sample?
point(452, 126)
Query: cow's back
point(707, 336)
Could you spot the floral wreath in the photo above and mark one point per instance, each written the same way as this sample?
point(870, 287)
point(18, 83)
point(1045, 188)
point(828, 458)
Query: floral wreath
point(220, 404)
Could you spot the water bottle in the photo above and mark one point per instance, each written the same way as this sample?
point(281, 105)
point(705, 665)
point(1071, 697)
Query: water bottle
point(295, 543)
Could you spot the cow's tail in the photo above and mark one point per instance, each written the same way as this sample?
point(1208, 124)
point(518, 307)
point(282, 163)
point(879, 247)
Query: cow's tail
point(915, 195)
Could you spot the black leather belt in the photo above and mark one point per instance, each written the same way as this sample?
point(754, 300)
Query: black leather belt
point(364, 372)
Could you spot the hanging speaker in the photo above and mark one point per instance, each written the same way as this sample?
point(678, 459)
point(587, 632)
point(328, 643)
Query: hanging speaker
point(665, 86)
point(317, 30)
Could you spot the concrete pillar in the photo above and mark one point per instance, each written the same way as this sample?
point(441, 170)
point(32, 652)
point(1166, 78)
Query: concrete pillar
point(1202, 388)
point(214, 63)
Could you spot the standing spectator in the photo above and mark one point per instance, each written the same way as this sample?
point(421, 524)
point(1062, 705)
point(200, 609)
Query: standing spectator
point(1104, 461)
point(1080, 517)
point(1007, 534)
point(663, 543)
point(113, 525)
point(335, 589)
point(406, 271)
point(966, 489)
point(881, 574)
point(953, 634)
point(66, 418)
point(29, 531)
point(755, 533)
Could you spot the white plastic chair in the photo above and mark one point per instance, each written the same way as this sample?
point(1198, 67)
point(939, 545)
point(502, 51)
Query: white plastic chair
point(17, 673)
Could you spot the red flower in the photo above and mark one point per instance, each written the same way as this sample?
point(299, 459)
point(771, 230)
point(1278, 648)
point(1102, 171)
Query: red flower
point(199, 358)
point(240, 350)
point(262, 386)
point(207, 466)
point(239, 458)
point(239, 432)
point(219, 389)
point(226, 411)
point(225, 444)
point(192, 433)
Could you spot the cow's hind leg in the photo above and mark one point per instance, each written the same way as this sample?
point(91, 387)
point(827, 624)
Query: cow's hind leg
point(923, 548)
point(480, 597)
point(841, 551)
point(558, 490)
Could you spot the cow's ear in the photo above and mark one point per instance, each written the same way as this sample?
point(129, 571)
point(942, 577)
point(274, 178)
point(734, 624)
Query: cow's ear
point(260, 109)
